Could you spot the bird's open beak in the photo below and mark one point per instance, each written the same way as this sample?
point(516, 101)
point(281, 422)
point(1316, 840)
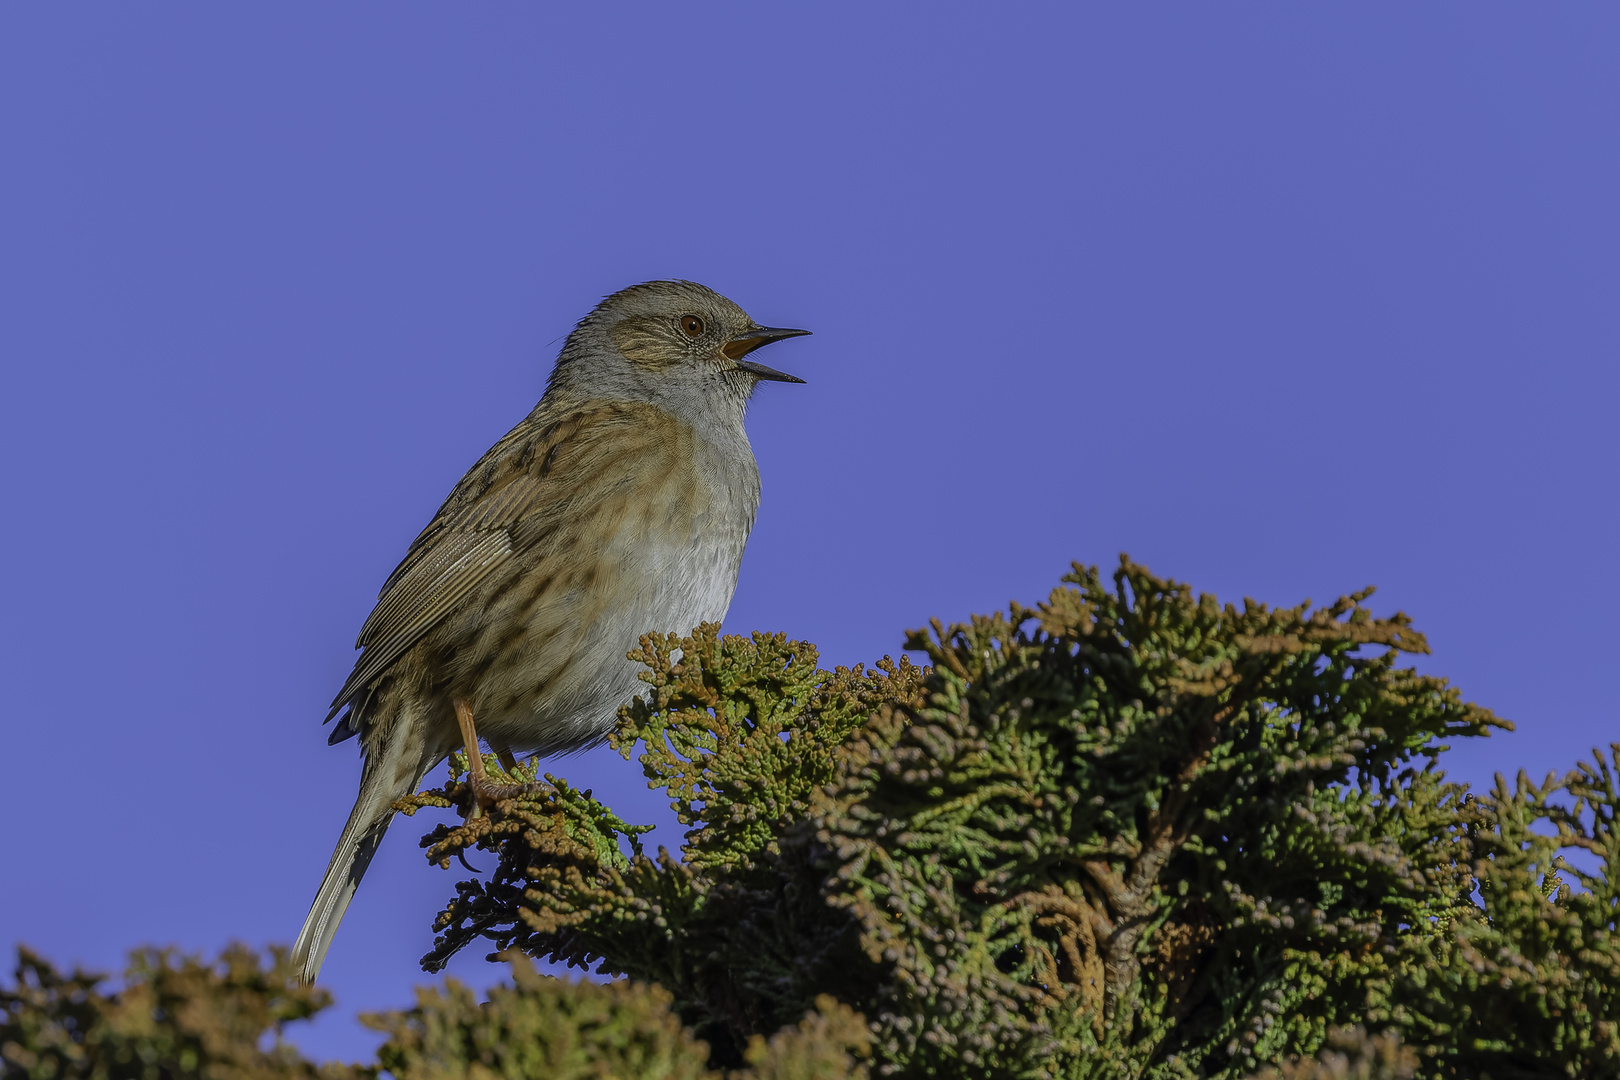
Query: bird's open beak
point(743, 344)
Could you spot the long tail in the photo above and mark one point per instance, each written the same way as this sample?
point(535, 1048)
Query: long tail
point(392, 770)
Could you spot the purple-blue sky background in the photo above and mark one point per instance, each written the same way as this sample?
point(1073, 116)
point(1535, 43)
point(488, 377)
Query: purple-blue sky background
point(1283, 300)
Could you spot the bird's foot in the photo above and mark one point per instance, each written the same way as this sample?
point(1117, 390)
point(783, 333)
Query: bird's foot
point(486, 792)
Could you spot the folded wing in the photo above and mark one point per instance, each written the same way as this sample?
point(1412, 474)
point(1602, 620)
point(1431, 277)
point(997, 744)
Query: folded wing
point(448, 561)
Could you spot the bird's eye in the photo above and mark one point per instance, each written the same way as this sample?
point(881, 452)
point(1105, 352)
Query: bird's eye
point(692, 325)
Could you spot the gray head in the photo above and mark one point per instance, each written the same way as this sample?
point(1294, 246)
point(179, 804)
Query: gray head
point(676, 344)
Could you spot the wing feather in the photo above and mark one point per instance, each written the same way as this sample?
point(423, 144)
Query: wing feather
point(441, 556)
point(449, 562)
point(499, 508)
point(458, 565)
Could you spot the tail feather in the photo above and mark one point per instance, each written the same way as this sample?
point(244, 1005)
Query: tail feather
point(392, 771)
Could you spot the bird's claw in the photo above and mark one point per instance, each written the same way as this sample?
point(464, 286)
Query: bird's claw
point(486, 792)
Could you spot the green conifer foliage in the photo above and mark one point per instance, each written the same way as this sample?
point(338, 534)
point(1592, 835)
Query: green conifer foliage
point(181, 1018)
point(539, 1027)
point(744, 733)
point(175, 1018)
point(1352, 1055)
point(1130, 832)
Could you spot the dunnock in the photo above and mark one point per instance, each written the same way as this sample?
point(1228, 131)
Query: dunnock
point(619, 506)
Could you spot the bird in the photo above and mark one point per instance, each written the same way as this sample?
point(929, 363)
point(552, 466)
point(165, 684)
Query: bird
point(620, 505)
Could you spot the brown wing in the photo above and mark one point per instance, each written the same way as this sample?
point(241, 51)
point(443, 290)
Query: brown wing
point(468, 540)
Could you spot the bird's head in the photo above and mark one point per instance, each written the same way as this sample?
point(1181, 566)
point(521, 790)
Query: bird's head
point(676, 343)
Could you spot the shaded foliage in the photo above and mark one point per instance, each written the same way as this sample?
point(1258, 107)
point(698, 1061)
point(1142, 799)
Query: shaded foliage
point(540, 1027)
point(179, 1017)
point(175, 1017)
point(1129, 832)
point(1352, 1054)
point(745, 732)
point(550, 1028)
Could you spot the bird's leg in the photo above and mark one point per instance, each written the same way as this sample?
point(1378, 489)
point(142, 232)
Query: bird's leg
point(508, 759)
point(485, 791)
point(475, 760)
point(469, 738)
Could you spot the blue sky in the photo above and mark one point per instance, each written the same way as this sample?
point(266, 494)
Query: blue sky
point(1282, 300)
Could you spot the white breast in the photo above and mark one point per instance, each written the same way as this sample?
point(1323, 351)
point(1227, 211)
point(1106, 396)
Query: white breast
point(664, 582)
